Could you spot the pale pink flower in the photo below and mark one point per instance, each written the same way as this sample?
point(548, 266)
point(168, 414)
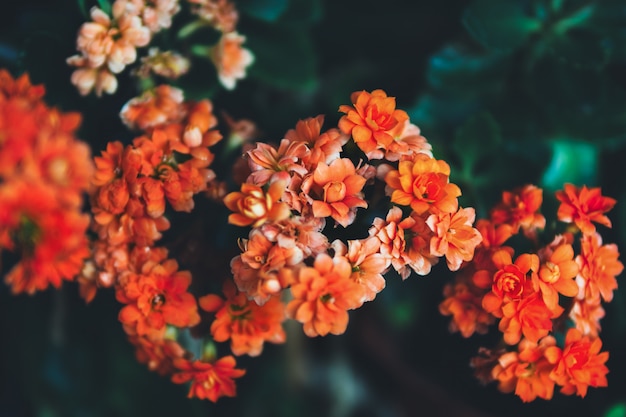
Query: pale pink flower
point(230, 59)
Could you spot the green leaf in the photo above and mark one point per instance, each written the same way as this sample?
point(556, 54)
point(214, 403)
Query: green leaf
point(617, 410)
point(580, 48)
point(284, 57)
point(303, 11)
point(572, 161)
point(476, 140)
point(266, 10)
point(105, 5)
point(500, 24)
point(458, 70)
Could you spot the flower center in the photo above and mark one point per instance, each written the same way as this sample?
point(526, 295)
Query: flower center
point(157, 301)
point(550, 273)
point(334, 191)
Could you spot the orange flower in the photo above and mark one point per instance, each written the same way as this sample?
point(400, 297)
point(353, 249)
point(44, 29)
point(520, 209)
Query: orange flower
point(407, 141)
point(167, 64)
point(230, 59)
point(579, 365)
point(556, 276)
point(423, 184)
point(209, 380)
point(162, 105)
point(323, 294)
point(510, 282)
point(221, 14)
point(586, 314)
point(368, 264)
point(243, 321)
point(519, 208)
point(583, 206)
point(49, 237)
point(370, 120)
point(155, 297)
point(158, 355)
point(405, 242)
point(324, 147)
point(253, 206)
point(529, 316)
point(454, 236)
point(599, 266)
point(335, 190)
point(265, 161)
point(527, 372)
point(463, 302)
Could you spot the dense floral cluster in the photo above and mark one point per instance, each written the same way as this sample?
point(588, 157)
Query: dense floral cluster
point(108, 44)
point(295, 188)
point(44, 172)
point(288, 198)
point(541, 296)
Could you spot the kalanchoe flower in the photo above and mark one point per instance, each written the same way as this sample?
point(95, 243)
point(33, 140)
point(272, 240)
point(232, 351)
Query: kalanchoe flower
point(579, 365)
point(209, 380)
point(527, 372)
point(583, 206)
point(520, 209)
point(423, 184)
point(231, 59)
point(371, 121)
point(335, 191)
point(253, 206)
point(247, 324)
point(323, 294)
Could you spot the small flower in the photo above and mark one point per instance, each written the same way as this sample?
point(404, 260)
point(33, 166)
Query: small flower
point(579, 365)
point(231, 59)
point(556, 276)
point(247, 324)
point(253, 206)
point(519, 208)
point(155, 297)
point(209, 380)
point(323, 294)
point(423, 184)
point(166, 64)
point(221, 14)
point(599, 266)
point(335, 191)
point(454, 238)
point(157, 107)
point(510, 282)
point(49, 237)
point(527, 371)
point(583, 206)
point(368, 264)
point(371, 119)
point(463, 301)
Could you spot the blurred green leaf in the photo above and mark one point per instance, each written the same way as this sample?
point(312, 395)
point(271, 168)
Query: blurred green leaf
point(617, 410)
point(580, 48)
point(303, 11)
point(284, 57)
point(266, 10)
point(500, 24)
point(459, 70)
point(105, 5)
point(475, 141)
point(573, 162)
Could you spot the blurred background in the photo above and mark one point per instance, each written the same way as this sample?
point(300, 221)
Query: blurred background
point(508, 92)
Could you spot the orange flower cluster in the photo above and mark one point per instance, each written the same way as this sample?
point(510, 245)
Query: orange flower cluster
point(537, 296)
point(293, 189)
point(44, 173)
point(168, 163)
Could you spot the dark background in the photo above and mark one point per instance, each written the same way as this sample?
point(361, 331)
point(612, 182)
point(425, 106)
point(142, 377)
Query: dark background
point(508, 92)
